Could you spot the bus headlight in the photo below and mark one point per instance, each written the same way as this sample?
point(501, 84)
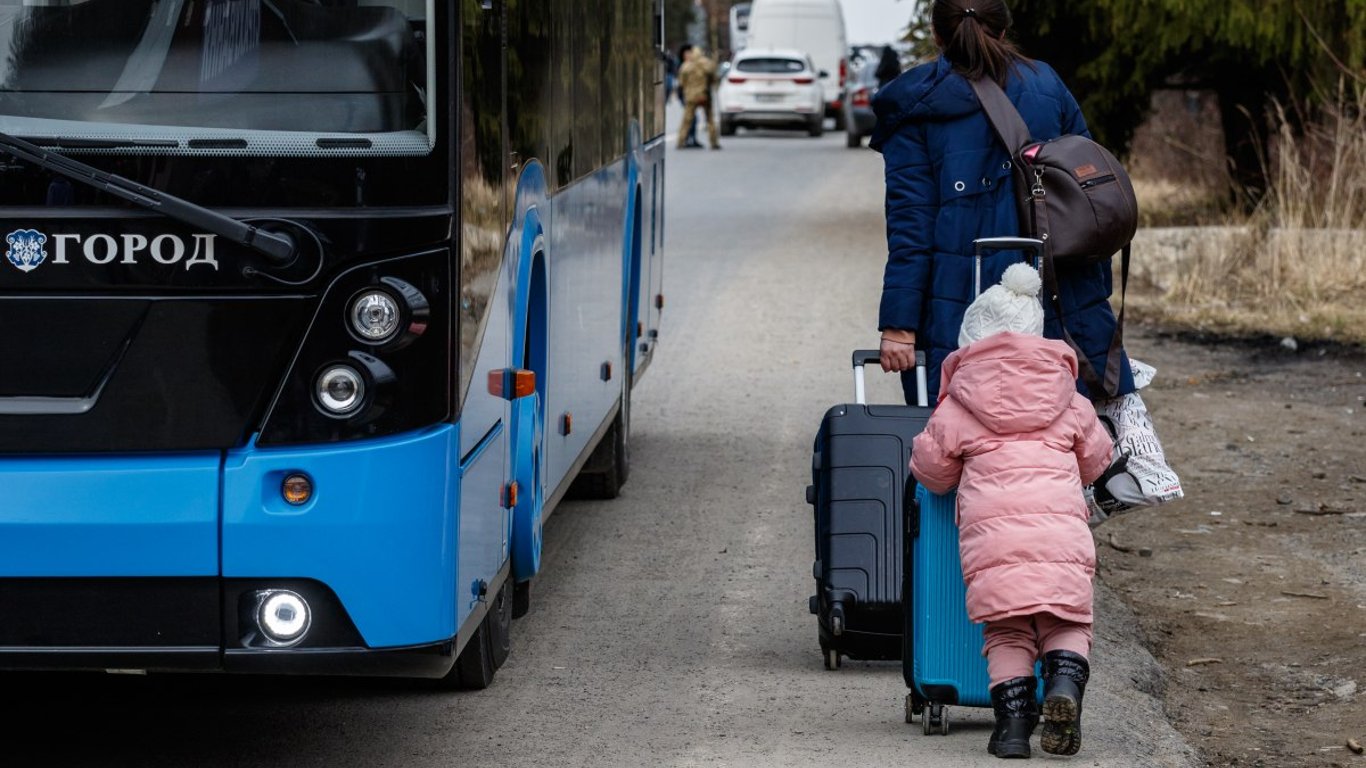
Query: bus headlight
point(283, 617)
point(340, 390)
point(375, 316)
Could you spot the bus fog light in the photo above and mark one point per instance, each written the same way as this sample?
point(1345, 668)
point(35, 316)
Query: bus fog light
point(375, 316)
point(284, 617)
point(340, 390)
point(297, 489)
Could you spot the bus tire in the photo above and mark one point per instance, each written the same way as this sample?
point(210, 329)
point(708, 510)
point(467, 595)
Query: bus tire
point(521, 599)
point(499, 621)
point(816, 127)
point(489, 648)
point(474, 668)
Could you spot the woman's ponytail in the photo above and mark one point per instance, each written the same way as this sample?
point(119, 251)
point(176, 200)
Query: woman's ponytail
point(972, 33)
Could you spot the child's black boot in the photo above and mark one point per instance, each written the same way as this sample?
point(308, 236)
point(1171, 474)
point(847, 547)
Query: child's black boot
point(1016, 705)
point(1065, 675)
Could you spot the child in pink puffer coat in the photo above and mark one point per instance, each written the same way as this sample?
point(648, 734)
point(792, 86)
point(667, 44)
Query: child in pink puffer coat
point(1013, 435)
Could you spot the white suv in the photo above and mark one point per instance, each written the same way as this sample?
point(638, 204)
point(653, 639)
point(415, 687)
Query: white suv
point(772, 89)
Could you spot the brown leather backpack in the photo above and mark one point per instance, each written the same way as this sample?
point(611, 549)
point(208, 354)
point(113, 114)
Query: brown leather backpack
point(1074, 195)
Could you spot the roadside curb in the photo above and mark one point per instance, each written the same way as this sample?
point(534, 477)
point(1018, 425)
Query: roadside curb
point(1128, 685)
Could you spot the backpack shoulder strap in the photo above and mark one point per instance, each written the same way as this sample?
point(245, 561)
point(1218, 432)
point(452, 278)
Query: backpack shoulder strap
point(1005, 119)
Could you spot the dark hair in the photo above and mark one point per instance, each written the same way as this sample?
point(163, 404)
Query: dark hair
point(972, 33)
point(683, 50)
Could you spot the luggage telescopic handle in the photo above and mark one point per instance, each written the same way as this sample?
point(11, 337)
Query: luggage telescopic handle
point(985, 244)
point(864, 357)
point(989, 244)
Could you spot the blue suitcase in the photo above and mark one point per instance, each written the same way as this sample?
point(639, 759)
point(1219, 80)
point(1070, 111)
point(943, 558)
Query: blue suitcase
point(942, 659)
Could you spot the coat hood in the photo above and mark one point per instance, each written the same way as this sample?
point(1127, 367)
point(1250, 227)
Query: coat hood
point(930, 92)
point(1012, 382)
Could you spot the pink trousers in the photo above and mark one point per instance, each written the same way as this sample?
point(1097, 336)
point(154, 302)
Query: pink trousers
point(1013, 645)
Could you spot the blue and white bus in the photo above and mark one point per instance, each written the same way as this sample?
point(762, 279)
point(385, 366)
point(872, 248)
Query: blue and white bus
point(313, 310)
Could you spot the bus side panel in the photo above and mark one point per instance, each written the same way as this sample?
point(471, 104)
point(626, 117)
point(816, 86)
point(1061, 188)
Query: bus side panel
point(585, 313)
point(483, 523)
point(652, 271)
point(380, 530)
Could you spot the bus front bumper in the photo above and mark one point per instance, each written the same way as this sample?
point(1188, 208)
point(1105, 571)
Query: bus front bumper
point(188, 625)
point(164, 562)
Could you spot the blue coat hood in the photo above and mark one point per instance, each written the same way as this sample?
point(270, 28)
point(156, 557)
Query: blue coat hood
point(929, 92)
point(951, 181)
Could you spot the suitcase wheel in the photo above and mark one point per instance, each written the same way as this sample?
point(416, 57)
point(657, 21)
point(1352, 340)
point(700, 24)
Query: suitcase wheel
point(837, 619)
point(915, 706)
point(936, 718)
point(832, 658)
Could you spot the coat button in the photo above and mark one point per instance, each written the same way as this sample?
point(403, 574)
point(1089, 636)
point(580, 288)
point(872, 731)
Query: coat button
point(1005, 166)
point(986, 183)
point(959, 186)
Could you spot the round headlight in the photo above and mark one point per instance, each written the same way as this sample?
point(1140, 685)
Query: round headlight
point(283, 616)
point(375, 316)
point(340, 390)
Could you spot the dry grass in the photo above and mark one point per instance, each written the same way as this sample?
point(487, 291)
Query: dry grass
point(1298, 265)
point(1164, 202)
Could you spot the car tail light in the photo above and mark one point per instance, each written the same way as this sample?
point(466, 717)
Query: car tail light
point(736, 80)
point(844, 71)
point(861, 97)
point(803, 80)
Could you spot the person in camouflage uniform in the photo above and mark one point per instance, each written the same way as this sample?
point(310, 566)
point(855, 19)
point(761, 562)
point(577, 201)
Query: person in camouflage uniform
point(697, 78)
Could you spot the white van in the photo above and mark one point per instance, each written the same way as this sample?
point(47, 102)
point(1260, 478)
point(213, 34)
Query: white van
point(739, 26)
point(815, 27)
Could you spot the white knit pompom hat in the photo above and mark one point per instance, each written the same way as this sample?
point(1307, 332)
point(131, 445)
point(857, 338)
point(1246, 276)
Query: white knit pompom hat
point(1011, 306)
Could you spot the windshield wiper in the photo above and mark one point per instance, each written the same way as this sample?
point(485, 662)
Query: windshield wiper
point(56, 142)
point(277, 247)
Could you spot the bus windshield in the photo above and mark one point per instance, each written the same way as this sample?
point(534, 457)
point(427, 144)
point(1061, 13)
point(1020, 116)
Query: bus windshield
point(286, 78)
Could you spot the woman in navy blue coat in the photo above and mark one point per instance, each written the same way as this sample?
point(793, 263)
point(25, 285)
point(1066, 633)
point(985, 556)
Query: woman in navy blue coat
point(949, 181)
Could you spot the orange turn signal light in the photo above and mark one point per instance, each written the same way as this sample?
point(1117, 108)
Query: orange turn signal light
point(510, 495)
point(512, 383)
point(297, 489)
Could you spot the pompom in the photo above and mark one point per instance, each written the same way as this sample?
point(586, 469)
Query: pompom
point(1022, 280)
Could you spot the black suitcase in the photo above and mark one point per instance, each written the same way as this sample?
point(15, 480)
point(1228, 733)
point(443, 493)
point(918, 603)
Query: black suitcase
point(861, 483)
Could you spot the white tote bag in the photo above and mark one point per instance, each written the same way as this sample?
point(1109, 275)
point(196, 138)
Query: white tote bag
point(1139, 475)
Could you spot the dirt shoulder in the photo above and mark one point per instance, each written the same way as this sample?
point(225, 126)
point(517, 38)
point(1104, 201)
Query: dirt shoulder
point(1252, 590)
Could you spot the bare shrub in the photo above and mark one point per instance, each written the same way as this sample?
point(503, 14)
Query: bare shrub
point(1177, 161)
point(1298, 264)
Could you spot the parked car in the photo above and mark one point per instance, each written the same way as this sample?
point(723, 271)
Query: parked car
point(772, 89)
point(858, 102)
point(815, 27)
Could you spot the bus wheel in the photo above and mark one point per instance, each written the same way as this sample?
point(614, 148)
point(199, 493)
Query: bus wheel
point(499, 623)
point(521, 599)
point(607, 469)
point(474, 668)
point(487, 650)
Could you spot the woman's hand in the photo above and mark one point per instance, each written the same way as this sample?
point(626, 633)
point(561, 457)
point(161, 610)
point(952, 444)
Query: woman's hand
point(897, 351)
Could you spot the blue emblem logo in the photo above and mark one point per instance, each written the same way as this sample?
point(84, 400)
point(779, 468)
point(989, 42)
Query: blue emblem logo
point(26, 249)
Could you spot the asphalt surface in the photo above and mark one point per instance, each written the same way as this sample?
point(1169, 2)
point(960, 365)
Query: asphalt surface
point(669, 626)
